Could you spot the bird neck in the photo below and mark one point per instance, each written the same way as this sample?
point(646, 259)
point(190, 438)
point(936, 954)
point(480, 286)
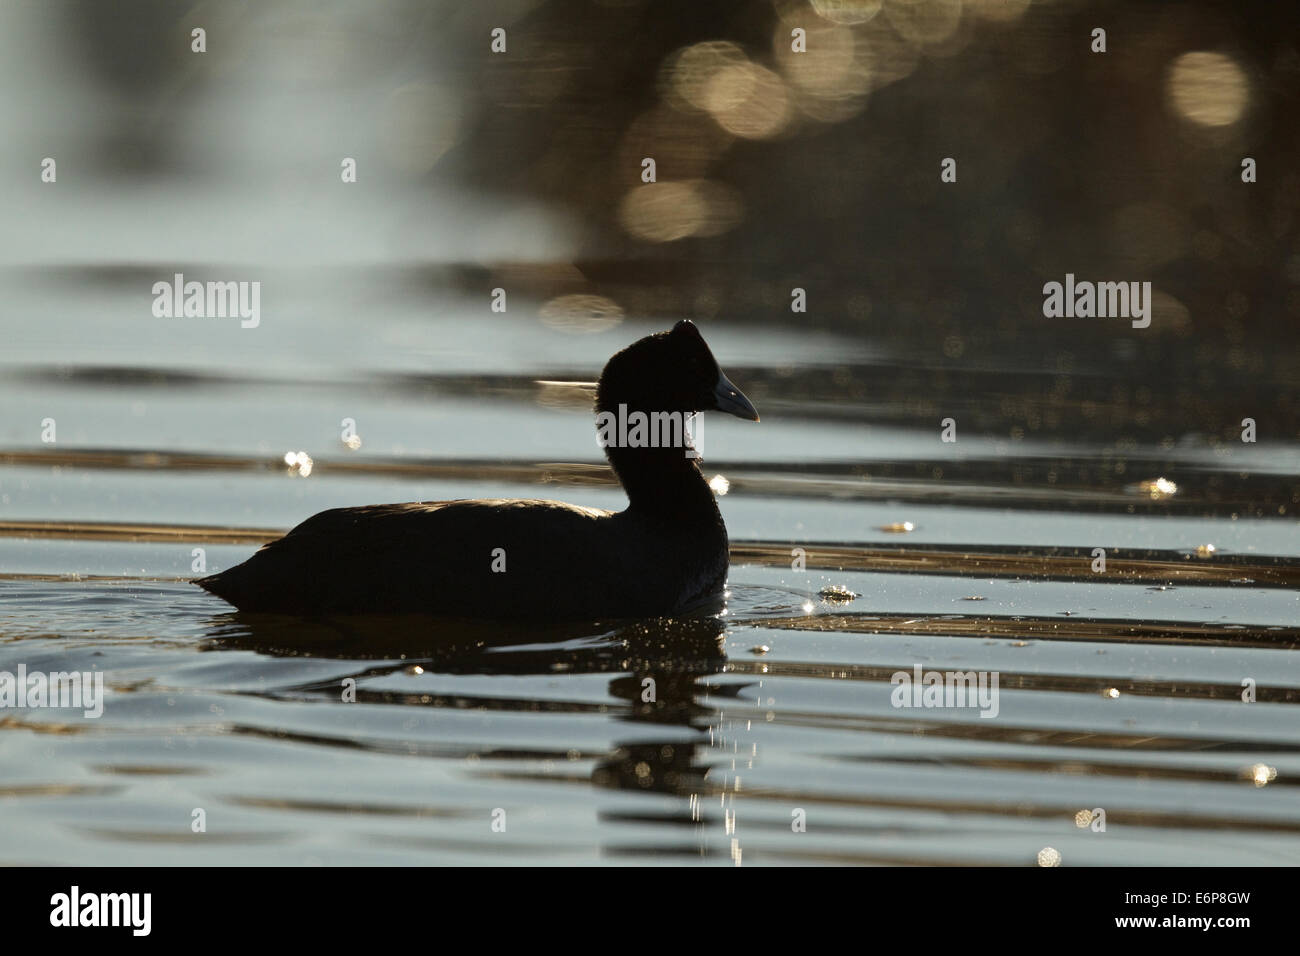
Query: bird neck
point(662, 479)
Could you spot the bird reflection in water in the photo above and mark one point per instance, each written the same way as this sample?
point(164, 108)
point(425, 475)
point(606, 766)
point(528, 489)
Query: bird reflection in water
point(659, 672)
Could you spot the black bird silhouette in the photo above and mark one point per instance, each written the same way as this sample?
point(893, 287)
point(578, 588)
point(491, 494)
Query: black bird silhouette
point(665, 554)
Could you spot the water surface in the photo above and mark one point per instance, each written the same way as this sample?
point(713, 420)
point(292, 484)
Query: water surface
point(771, 735)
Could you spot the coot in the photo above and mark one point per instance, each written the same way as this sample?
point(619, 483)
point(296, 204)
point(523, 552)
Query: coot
point(665, 554)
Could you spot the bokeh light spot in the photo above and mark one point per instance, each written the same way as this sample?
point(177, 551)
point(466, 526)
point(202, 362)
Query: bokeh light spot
point(1208, 88)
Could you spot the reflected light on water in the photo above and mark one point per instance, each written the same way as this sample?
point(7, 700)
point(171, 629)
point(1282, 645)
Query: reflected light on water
point(832, 85)
point(581, 313)
point(890, 56)
point(688, 73)
point(665, 212)
point(1261, 774)
point(716, 77)
point(1157, 489)
point(924, 22)
point(747, 100)
point(1208, 88)
point(898, 527)
point(299, 463)
point(847, 11)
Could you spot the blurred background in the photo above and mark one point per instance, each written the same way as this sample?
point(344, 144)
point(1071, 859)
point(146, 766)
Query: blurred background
point(775, 170)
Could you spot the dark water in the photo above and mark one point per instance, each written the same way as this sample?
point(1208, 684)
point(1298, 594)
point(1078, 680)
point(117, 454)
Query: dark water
point(770, 735)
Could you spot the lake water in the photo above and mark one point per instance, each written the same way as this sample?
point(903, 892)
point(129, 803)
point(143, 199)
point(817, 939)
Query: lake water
point(1120, 735)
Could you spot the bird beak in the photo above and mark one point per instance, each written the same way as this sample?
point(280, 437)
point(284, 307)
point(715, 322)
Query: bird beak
point(727, 398)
